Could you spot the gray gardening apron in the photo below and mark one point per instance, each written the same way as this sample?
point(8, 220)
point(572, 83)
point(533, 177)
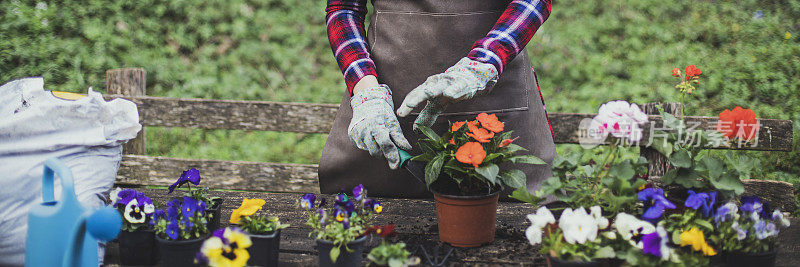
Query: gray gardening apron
point(411, 40)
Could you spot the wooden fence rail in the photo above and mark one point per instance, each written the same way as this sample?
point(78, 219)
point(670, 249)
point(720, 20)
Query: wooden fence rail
point(137, 169)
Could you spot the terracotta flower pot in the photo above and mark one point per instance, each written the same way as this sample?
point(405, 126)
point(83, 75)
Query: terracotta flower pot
point(466, 221)
point(764, 259)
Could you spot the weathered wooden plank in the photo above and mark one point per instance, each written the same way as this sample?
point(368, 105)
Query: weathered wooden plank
point(779, 194)
point(318, 118)
point(219, 174)
point(416, 225)
point(129, 82)
point(234, 114)
point(657, 163)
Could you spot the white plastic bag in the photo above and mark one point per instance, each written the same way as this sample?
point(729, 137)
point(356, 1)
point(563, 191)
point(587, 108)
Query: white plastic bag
point(86, 134)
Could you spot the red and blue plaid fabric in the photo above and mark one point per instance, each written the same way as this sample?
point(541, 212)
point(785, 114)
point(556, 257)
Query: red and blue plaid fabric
point(345, 22)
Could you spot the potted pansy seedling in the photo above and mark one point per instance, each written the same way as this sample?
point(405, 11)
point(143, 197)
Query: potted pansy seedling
point(748, 233)
point(341, 228)
point(136, 240)
point(263, 230)
point(192, 177)
point(388, 253)
point(463, 172)
point(180, 229)
point(227, 247)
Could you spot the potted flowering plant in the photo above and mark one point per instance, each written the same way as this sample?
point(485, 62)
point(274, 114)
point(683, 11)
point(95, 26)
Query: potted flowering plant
point(192, 177)
point(387, 253)
point(463, 172)
point(136, 240)
point(576, 238)
point(340, 229)
point(180, 229)
point(226, 247)
point(748, 233)
point(263, 230)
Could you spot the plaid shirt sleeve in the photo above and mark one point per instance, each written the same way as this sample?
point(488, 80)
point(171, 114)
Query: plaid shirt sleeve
point(345, 22)
point(511, 33)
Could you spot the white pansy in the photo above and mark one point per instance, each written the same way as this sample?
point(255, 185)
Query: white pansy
point(578, 226)
point(149, 208)
point(542, 217)
point(778, 217)
point(610, 235)
point(628, 226)
point(534, 235)
point(114, 195)
point(597, 213)
point(133, 208)
point(620, 119)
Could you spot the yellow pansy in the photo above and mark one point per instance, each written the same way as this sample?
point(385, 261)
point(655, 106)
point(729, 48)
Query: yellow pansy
point(248, 207)
point(232, 255)
point(697, 240)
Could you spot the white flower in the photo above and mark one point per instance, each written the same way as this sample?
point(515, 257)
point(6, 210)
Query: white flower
point(210, 244)
point(578, 226)
point(534, 235)
point(628, 226)
point(540, 219)
point(149, 208)
point(620, 119)
point(777, 216)
point(610, 235)
point(114, 195)
point(133, 213)
point(597, 213)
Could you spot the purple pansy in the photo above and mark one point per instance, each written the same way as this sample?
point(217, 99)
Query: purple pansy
point(652, 244)
point(752, 204)
point(201, 207)
point(323, 216)
point(125, 196)
point(705, 201)
point(307, 201)
point(358, 192)
point(173, 230)
point(725, 212)
point(655, 202)
point(189, 176)
point(189, 207)
point(346, 223)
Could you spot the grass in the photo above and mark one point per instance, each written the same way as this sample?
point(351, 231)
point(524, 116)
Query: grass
point(588, 52)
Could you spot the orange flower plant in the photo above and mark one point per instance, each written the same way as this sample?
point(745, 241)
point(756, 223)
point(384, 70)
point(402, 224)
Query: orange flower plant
point(738, 123)
point(466, 160)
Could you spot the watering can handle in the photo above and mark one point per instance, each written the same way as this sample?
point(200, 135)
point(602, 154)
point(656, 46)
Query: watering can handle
point(51, 166)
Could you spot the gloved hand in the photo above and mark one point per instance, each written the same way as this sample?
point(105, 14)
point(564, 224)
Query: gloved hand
point(462, 81)
point(374, 125)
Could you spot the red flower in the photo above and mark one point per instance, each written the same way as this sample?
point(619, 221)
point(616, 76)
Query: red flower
point(457, 125)
point(490, 122)
point(691, 71)
point(480, 134)
point(452, 141)
point(471, 153)
point(739, 122)
point(676, 72)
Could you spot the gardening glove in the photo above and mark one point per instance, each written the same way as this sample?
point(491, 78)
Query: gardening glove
point(463, 80)
point(374, 127)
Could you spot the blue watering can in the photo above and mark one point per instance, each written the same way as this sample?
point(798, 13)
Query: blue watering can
point(63, 232)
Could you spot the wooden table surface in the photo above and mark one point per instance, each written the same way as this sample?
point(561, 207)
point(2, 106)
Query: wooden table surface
point(416, 225)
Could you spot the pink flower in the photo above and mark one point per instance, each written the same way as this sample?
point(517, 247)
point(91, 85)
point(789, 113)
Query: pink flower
point(620, 119)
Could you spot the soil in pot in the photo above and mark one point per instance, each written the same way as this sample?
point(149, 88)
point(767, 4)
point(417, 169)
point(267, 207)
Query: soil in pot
point(740, 259)
point(264, 251)
point(346, 258)
point(179, 253)
point(466, 221)
point(137, 248)
point(555, 262)
point(214, 210)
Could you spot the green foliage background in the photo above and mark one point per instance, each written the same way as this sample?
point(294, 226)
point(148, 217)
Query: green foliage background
point(587, 53)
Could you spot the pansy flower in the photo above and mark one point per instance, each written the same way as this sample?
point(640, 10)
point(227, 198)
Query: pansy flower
point(705, 201)
point(124, 196)
point(377, 207)
point(189, 207)
point(541, 218)
point(359, 192)
point(323, 216)
point(134, 213)
point(656, 203)
point(189, 176)
point(778, 217)
point(655, 243)
point(173, 230)
point(228, 248)
point(307, 201)
point(765, 229)
point(578, 226)
point(726, 212)
point(695, 238)
point(741, 234)
point(247, 208)
point(628, 226)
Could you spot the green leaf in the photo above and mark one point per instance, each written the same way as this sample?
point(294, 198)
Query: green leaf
point(511, 148)
point(489, 172)
point(527, 159)
point(669, 177)
point(681, 159)
point(523, 195)
point(513, 178)
point(688, 178)
point(661, 144)
point(604, 253)
point(676, 237)
point(429, 133)
point(334, 254)
point(433, 169)
point(704, 224)
point(623, 170)
point(728, 181)
point(713, 165)
point(549, 186)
